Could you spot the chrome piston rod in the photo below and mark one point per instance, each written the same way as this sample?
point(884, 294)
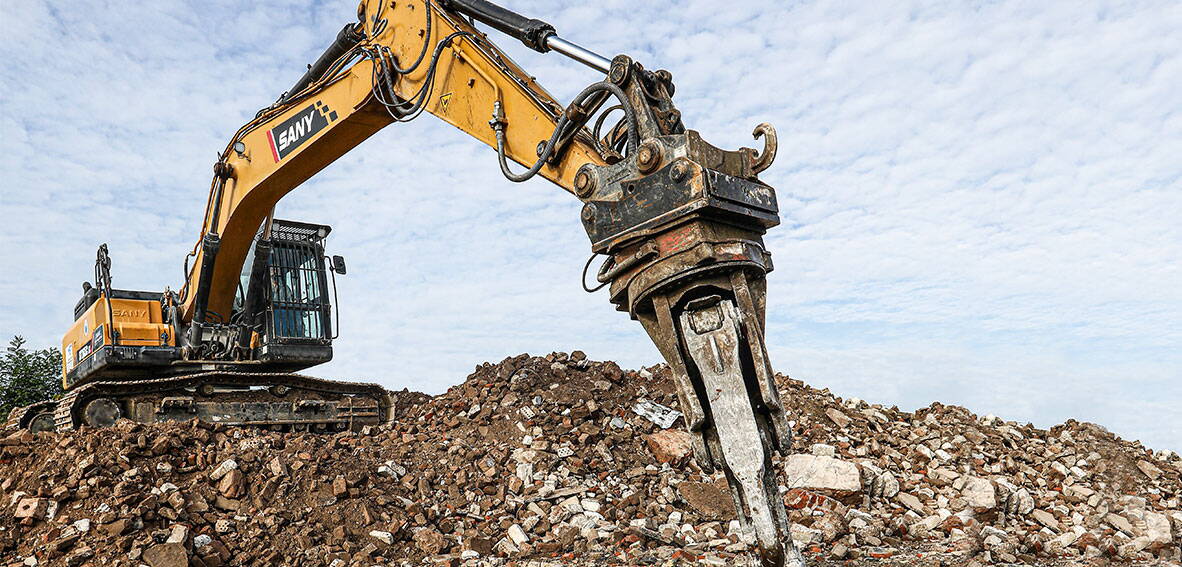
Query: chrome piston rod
point(579, 53)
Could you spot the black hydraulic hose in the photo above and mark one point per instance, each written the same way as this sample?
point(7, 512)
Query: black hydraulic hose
point(537, 166)
point(347, 39)
point(423, 51)
point(630, 117)
point(418, 101)
point(531, 32)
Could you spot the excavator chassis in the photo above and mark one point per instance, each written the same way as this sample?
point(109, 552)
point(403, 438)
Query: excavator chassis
point(280, 401)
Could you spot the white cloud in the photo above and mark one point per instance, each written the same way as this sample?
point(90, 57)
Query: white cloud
point(980, 201)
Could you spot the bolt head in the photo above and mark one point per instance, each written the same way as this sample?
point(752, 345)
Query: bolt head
point(584, 183)
point(680, 171)
point(618, 74)
point(648, 156)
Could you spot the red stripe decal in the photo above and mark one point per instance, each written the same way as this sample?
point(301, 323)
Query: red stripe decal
point(274, 152)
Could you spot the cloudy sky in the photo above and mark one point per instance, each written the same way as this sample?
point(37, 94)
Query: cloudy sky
point(980, 200)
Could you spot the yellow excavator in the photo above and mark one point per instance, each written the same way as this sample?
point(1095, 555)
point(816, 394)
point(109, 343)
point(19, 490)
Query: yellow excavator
point(679, 223)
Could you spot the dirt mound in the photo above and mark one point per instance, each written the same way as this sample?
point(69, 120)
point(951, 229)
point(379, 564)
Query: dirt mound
point(559, 460)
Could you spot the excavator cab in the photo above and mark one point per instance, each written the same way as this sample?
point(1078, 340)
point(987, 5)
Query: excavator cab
point(295, 322)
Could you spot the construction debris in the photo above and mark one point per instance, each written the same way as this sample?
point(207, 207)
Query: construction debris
point(548, 461)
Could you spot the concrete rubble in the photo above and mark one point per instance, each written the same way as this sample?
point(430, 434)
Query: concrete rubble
point(559, 460)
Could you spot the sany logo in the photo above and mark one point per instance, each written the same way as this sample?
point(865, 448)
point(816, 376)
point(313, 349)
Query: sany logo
point(294, 131)
point(129, 312)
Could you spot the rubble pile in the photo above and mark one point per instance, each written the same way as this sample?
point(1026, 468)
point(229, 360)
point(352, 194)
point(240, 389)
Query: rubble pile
point(559, 460)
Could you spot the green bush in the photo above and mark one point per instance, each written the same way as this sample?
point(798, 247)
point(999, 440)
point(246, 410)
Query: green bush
point(28, 376)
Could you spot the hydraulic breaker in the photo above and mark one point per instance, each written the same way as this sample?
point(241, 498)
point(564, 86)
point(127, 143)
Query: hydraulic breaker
point(682, 225)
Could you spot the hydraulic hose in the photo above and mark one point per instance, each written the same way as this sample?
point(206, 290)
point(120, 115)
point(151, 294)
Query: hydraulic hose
point(498, 124)
point(347, 39)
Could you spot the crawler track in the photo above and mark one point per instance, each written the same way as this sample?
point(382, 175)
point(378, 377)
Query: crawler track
point(279, 400)
point(19, 417)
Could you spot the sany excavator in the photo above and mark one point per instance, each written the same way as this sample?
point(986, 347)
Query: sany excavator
point(679, 222)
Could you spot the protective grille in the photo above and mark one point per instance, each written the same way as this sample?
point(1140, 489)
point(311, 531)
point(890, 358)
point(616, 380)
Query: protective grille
point(300, 308)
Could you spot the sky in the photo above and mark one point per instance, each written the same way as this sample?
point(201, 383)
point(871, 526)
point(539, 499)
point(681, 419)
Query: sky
point(980, 201)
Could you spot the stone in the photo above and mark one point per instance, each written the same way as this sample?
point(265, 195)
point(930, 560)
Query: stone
point(877, 483)
point(1132, 548)
point(1067, 538)
point(225, 467)
point(1077, 493)
point(838, 418)
point(1149, 469)
point(517, 535)
point(178, 534)
point(232, 484)
point(22, 437)
point(670, 446)
point(36, 508)
point(707, 499)
point(430, 541)
point(805, 536)
point(979, 493)
point(1014, 499)
point(116, 528)
point(1157, 529)
point(822, 473)
point(1046, 518)
point(276, 467)
point(167, 555)
point(384, 537)
point(340, 487)
point(911, 502)
point(79, 556)
point(1120, 523)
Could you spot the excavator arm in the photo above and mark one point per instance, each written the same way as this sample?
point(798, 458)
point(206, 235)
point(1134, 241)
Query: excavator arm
point(679, 221)
point(399, 60)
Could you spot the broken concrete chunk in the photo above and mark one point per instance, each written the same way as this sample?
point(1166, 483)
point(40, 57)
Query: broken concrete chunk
point(1046, 518)
point(1149, 469)
point(36, 508)
point(911, 502)
point(670, 446)
point(979, 493)
point(840, 419)
point(822, 473)
point(225, 467)
point(517, 535)
point(167, 555)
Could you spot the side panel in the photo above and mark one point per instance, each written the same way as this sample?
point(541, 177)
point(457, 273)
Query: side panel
point(137, 322)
